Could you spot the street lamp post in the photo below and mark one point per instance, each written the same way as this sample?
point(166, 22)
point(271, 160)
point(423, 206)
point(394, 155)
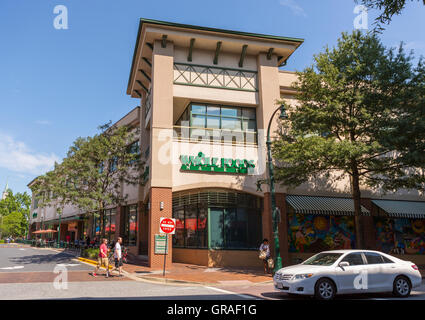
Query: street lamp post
point(59, 229)
point(275, 210)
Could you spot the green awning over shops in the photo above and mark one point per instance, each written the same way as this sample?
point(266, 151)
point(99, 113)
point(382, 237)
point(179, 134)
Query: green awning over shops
point(323, 205)
point(402, 209)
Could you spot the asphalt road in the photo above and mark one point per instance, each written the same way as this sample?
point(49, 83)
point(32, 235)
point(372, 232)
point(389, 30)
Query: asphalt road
point(28, 273)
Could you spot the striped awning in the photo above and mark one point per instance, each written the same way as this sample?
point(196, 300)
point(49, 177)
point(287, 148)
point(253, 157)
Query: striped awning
point(323, 205)
point(402, 209)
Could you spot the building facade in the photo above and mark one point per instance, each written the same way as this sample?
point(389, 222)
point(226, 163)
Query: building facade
point(206, 97)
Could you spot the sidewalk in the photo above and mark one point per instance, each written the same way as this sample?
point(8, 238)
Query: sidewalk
point(200, 275)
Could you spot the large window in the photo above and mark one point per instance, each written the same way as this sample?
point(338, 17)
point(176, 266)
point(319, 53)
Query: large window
point(130, 225)
point(109, 224)
point(217, 220)
point(218, 123)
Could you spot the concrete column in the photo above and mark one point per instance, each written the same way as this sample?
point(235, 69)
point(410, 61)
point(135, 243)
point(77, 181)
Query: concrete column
point(267, 221)
point(156, 196)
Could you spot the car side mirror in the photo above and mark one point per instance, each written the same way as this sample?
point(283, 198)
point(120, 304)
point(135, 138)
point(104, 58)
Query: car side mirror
point(343, 264)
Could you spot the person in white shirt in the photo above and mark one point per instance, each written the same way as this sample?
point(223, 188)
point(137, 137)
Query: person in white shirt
point(266, 248)
point(118, 256)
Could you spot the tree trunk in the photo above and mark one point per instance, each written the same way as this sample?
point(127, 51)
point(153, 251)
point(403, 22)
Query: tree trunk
point(355, 191)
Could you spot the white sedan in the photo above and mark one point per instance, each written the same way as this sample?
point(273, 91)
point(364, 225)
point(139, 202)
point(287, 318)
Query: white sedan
point(346, 272)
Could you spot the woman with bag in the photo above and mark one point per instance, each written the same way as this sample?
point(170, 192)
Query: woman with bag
point(265, 254)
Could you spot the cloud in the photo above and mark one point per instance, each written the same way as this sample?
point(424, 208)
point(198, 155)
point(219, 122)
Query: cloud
point(295, 8)
point(43, 122)
point(16, 156)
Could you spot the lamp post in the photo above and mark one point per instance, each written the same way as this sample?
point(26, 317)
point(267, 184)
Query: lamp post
point(59, 228)
point(275, 210)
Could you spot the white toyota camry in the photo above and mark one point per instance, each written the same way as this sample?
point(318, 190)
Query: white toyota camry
point(346, 272)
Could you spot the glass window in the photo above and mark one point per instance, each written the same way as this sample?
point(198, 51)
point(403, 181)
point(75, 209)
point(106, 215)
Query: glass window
point(198, 109)
point(191, 225)
point(354, 259)
point(216, 228)
point(373, 258)
point(230, 124)
point(202, 227)
point(213, 110)
point(323, 259)
point(179, 237)
point(387, 260)
point(213, 122)
point(249, 125)
point(198, 121)
point(132, 221)
point(249, 113)
point(231, 111)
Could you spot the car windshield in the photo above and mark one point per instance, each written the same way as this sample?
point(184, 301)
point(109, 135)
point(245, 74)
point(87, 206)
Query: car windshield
point(323, 259)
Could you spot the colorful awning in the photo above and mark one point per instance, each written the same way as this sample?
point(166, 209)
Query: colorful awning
point(323, 205)
point(402, 209)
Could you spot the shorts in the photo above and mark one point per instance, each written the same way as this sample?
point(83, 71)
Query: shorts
point(102, 261)
point(118, 262)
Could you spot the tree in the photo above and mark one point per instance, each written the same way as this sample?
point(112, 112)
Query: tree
point(91, 176)
point(352, 102)
point(15, 213)
point(389, 7)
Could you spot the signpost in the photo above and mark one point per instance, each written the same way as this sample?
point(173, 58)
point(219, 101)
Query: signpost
point(166, 226)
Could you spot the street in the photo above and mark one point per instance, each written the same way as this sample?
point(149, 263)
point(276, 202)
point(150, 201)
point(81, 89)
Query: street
point(29, 273)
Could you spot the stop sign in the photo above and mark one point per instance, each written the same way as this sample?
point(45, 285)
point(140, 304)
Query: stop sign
point(167, 225)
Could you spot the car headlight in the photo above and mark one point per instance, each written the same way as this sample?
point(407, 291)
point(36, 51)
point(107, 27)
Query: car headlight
point(303, 276)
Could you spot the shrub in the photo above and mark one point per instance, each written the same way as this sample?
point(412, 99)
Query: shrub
point(90, 253)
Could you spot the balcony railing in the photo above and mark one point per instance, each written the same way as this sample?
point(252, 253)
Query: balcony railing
point(211, 135)
point(215, 77)
point(148, 102)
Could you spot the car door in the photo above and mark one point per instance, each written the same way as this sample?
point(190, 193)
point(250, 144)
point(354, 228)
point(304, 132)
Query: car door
point(378, 272)
point(352, 278)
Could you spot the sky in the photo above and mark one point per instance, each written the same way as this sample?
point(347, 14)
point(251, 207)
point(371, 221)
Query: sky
point(60, 84)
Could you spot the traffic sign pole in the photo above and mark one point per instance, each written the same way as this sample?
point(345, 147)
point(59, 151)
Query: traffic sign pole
point(165, 253)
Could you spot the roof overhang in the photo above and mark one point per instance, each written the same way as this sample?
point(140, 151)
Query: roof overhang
point(182, 35)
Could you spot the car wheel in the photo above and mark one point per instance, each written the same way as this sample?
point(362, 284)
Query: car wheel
point(401, 287)
point(325, 289)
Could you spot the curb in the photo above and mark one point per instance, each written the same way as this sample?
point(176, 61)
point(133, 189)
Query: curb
point(92, 262)
point(184, 282)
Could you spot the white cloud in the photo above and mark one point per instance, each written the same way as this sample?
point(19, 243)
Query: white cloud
point(17, 157)
point(295, 8)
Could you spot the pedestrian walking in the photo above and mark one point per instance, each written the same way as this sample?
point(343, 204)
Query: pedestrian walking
point(265, 254)
point(118, 256)
point(103, 258)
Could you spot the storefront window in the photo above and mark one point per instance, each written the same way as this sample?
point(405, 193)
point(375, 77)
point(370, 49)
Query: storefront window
point(219, 221)
point(130, 225)
point(109, 219)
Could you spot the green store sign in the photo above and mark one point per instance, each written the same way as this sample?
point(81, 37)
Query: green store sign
point(212, 164)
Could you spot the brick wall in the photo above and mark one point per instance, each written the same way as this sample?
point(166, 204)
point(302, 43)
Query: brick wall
point(156, 196)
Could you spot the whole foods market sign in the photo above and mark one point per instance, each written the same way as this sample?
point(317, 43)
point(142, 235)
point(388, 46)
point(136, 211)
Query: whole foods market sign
point(213, 164)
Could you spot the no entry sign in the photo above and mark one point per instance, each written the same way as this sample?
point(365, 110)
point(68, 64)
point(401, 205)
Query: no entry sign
point(167, 225)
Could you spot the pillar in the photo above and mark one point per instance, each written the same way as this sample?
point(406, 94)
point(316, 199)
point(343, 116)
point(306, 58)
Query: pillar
point(283, 229)
point(156, 196)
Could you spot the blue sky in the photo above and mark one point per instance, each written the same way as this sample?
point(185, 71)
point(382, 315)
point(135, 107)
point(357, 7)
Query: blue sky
point(56, 85)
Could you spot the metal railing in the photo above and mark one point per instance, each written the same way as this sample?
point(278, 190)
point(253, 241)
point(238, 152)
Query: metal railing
point(215, 77)
point(211, 135)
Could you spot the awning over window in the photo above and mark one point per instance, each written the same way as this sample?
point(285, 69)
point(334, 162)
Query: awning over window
point(323, 205)
point(65, 219)
point(402, 209)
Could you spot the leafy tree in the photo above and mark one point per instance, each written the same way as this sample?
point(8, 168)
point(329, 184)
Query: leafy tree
point(15, 213)
point(354, 103)
point(388, 9)
point(91, 176)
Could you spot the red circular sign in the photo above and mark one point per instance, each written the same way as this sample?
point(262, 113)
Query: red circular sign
point(167, 225)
